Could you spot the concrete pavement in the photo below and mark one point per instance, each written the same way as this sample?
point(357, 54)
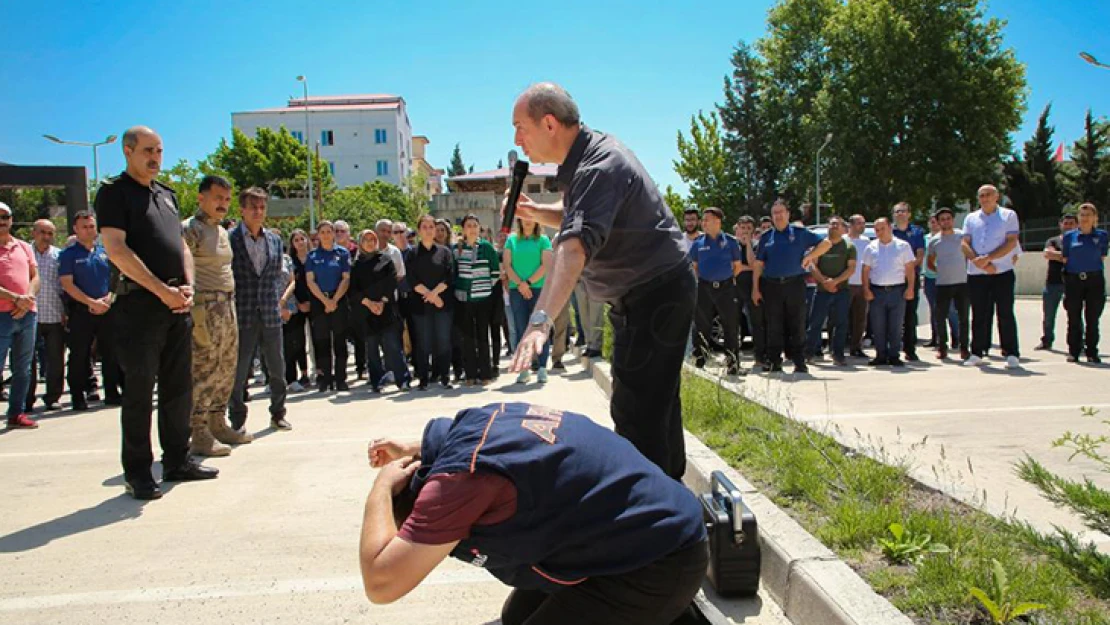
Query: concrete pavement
point(961, 428)
point(273, 540)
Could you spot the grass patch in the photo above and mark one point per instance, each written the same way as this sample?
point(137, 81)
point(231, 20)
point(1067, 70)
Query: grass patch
point(849, 501)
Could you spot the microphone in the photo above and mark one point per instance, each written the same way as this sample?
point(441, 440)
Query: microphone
point(520, 172)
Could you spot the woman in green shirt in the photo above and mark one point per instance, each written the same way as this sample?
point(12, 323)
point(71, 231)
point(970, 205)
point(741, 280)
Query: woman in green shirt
point(527, 261)
point(477, 280)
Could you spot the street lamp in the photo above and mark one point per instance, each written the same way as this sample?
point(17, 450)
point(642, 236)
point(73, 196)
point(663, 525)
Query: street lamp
point(308, 158)
point(94, 146)
point(817, 167)
point(1086, 56)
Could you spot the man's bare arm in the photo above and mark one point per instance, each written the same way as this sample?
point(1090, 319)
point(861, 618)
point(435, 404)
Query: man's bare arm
point(1003, 250)
point(189, 265)
point(570, 259)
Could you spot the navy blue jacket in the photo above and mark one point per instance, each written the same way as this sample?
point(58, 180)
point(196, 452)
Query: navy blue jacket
point(588, 503)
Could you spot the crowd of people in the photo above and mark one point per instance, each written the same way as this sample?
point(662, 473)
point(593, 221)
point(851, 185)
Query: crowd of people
point(788, 287)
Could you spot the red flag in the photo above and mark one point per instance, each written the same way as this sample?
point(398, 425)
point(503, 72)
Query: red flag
point(1059, 158)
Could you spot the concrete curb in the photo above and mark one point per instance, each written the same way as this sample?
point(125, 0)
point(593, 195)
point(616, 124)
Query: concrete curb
point(811, 584)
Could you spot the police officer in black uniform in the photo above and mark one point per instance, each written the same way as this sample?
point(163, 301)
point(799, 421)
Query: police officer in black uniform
point(141, 230)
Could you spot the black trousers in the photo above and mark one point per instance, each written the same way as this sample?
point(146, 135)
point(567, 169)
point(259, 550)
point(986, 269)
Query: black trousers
point(53, 336)
point(784, 315)
point(1084, 300)
point(472, 323)
point(653, 595)
point(329, 338)
point(83, 328)
point(157, 345)
point(497, 324)
point(358, 339)
point(909, 323)
point(754, 315)
point(993, 295)
point(719, 301)
point(650, 326)
point(295, 349)
point(947, 294)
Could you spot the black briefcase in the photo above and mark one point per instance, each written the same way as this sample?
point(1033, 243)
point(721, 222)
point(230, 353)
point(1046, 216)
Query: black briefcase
point(734, 556)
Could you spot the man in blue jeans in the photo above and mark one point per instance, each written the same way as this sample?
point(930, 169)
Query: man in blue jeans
point(889, 269)
point(1053, 291)
point(832, 300)
point(19, 282)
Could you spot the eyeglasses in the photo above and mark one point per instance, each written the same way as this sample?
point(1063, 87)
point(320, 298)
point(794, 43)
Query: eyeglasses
point(5, 217)
point(398, 232)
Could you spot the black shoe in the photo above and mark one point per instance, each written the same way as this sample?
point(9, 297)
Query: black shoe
point(1094, 359)
point(80, 406)
point(911, 357)
point(930, 343)
point(1042, 346)
point(876, 362)
point(699, 363)
point(857, 353)
point(405, 386)
point(113, 401)
point(559, 366)
point(839, 361)
point(423, 386)
point(1073, 357)
point(143, 491)
point(375, 389)
point(51, 405)
point(446, 384)
point(191, 471)
point(894, 362)
point(93, 396)
point(775, 367)
point(322, 386)
point(279, 423)
point(593, 353)
point(801, 368)
point(342, 386)
point(736, 370)
point(955, 344)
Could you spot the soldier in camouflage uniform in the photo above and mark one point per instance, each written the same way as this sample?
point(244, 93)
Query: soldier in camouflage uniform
point(215, 331)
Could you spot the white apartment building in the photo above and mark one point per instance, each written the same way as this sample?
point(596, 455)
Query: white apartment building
point(362, 137)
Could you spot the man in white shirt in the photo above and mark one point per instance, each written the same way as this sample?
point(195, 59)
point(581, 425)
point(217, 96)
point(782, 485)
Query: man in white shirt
point(889, 268)
point(990, 237)
point(857, 308)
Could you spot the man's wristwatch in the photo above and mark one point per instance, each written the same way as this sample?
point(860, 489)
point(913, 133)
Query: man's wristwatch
point(540, 319)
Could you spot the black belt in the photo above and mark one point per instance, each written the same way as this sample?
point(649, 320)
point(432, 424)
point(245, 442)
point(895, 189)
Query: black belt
point(783, 280)
point(658, 280)
point(1086, 275)
point(126, 286)
point(718, 284)
point(889, 287)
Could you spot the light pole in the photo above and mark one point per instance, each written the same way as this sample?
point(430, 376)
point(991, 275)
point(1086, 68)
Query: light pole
point(94, 146)
point(1086, 56)
point(817, 167)
point(308, 158)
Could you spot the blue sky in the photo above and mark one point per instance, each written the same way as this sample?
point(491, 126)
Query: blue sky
point(83, 70)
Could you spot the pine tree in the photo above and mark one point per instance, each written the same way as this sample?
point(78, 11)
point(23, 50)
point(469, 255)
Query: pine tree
point(1089, 176)
point(456, 168)
point(1032, 181)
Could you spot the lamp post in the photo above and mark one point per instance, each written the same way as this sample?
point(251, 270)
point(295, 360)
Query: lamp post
point(94, 146)
point(817, 167)
point(1086, 56)
point(308, 158)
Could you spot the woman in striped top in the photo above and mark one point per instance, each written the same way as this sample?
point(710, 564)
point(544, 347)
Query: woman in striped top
point(476, 281)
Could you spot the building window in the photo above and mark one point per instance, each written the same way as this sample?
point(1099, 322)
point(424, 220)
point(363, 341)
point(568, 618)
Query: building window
point(383, 168)
point(298, 135)
point(379, 135)
point(327, 137)
point(331, 167)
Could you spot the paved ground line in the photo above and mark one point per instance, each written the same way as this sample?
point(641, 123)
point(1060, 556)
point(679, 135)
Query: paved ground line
point(947, 411)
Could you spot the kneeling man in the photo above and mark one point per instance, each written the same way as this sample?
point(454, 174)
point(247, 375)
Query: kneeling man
point(584, 527)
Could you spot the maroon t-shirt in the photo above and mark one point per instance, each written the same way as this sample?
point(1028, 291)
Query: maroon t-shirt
point(449, 505)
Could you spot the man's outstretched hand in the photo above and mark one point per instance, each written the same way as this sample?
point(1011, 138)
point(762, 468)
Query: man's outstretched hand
point(382, 451)
point(529, 347)
point(397, 474)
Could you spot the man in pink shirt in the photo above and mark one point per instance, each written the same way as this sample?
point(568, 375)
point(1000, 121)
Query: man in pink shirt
point(19, 282)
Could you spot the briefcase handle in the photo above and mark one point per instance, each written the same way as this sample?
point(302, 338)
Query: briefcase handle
point(722, 487)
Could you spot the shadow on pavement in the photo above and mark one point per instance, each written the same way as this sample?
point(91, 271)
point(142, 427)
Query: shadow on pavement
point(119, 508)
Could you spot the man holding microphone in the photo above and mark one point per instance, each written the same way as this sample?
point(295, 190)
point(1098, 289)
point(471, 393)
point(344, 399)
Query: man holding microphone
point(617, 234)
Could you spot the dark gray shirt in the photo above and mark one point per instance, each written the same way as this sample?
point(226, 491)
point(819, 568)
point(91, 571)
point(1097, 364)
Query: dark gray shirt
point(614, 208)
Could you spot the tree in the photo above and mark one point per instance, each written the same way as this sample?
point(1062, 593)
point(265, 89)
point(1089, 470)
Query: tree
point(185, 179)
point(417, 198)
point(746, 133)
point(1032, 180)
point(706, 164)
point(456, 168)
point(273, 160)
point(1088, 178)
point(362, 206)
point(919, 95)
point(499, 164)
point(675, 202)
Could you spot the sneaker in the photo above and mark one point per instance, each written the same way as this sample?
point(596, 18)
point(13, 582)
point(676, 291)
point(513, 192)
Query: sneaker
point(388, 378)
point(1012, 362)
point(912, 357)
point(699, 362)
point(1073, 358)
point(296, 387)
point(524, 377)
point(21, 421)
point(973, 361)
point(541, 376)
